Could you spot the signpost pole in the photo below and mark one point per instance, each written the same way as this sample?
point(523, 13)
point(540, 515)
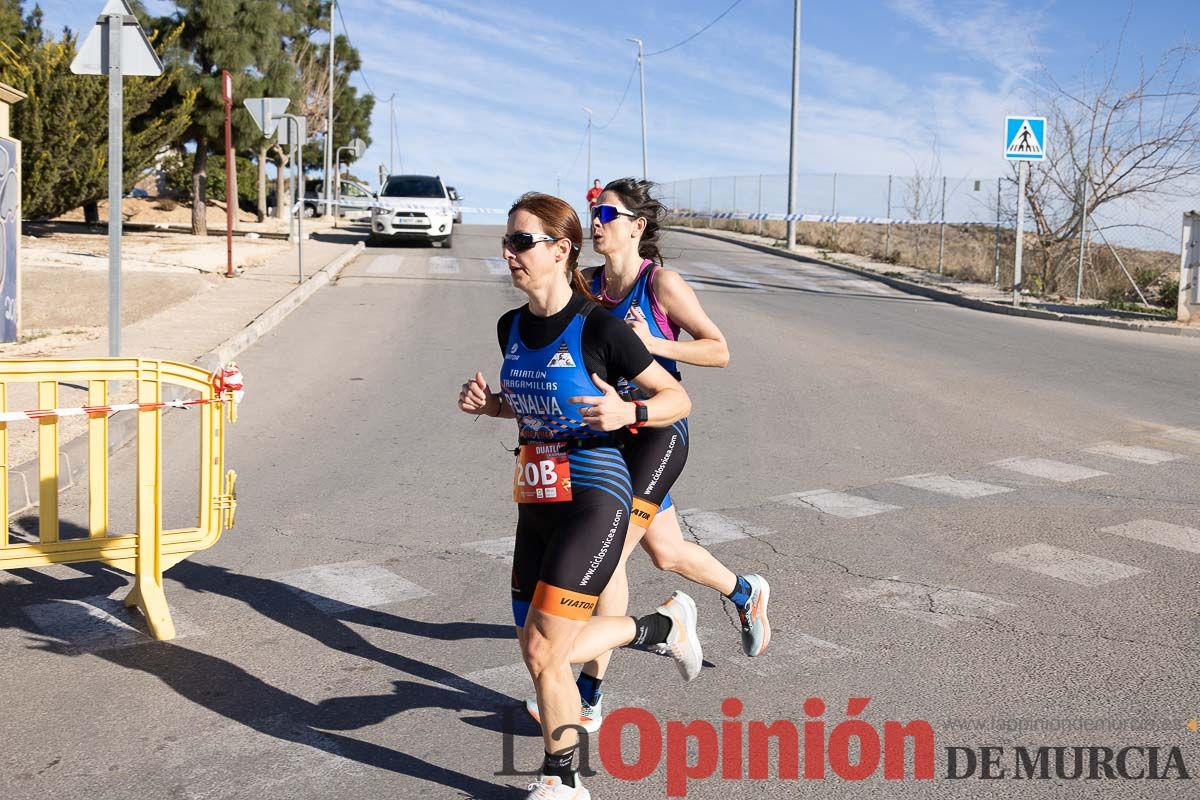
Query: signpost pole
point(116, 163)
point(1022, 172)
point(230, 200)
point(298, 148)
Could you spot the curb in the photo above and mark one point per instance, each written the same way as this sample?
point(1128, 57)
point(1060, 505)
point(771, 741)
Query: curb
point(910, 287)
point(147, 227)
point(122, 429)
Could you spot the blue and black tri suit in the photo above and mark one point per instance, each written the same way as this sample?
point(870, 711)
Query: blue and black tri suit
point(566, 552)
point(655, 456)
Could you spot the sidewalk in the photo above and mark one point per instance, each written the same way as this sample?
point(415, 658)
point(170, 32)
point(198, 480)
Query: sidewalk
point(188, 331)
point(979, 296)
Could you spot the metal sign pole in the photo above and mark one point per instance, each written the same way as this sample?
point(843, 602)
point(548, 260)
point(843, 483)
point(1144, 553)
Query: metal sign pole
point(230, 201)
point(299, 205)
point(1022, 172)
point(116, 162)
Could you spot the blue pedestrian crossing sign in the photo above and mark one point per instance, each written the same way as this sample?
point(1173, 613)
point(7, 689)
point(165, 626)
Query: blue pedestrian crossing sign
point(1025, 138)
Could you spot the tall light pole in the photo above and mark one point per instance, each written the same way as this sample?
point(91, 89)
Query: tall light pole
point(589, 147)
point(793, 189)
point(329, 119)
point(642, 80)
point(392, 134)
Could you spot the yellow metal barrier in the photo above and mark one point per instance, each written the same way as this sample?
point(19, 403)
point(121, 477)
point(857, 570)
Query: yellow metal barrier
point(149, 550)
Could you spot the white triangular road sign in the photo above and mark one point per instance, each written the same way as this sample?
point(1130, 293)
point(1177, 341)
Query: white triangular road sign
point(266, 112)
point(137, 56)
point(1024, 142)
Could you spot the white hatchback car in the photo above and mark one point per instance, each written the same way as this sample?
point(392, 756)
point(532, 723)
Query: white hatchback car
point(413, 207)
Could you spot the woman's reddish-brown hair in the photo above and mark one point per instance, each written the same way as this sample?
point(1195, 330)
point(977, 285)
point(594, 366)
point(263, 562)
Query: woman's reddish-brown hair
point(560, 221)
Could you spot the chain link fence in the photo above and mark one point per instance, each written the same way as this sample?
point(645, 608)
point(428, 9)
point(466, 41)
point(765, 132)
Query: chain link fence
point(958, 226)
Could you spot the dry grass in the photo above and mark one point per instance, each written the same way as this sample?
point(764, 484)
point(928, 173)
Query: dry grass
point(971, 254)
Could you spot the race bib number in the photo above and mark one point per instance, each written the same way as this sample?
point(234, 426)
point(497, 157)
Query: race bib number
point(543, 474)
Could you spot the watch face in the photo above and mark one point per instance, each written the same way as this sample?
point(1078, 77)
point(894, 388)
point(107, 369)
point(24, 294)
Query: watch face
point(643, 414)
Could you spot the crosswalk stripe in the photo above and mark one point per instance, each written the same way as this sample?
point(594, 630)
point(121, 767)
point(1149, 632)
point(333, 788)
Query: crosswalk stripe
point(1138, 455)
point(943, 606)
point(351, 585)
point(96, 623)
point(497, 266)
point(1065, 565)
point(1165, 534)
point(385, 265)
point(955, 487)
point(443, 265)
point(500, 548)
point(789, 278)
point(709, 527)
point(1048, 469)
point(726, 274)
point(1183, 435)
point(786, 654)
point(837, 504)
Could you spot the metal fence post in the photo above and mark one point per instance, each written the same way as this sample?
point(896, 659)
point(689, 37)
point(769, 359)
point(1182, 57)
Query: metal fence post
point(835, 229)
point(710, 202)
point(691, 208)
point(760, 211)
point(999, 200)
point(887, 238)
point(942, 232)
point(1083, 220)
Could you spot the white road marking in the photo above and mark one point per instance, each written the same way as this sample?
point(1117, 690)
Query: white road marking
point(1066, 565)
point(10, 579)
point(336, 588)
point(1048, 469)
point(501, 548)
point(709, 527)
point(96, 623)
point(443, 265)
point(728, 275)
point(1160, 533)
point(838, 504)
point(1139, 455)
point(1183, 435)
point(955, 487)
point(511, 680)
point(795, 652)
point(385, 265)
point(497, 266)
point(794, 279)
point(943, 606)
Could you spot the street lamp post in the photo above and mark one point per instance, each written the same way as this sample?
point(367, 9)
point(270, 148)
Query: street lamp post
point(793, 154)
point(642, 81)
point(588, 177)
point(329, 155)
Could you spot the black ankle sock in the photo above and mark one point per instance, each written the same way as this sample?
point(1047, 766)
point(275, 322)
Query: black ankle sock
point(589, 688)
point(559, 765)
point(652, 629)
point(740, 596)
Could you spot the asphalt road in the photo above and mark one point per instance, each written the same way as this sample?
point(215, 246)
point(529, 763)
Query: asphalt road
point(983, 522)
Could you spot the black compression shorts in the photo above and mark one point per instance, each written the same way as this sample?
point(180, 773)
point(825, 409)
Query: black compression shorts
point(567, 552)
point(655, 457)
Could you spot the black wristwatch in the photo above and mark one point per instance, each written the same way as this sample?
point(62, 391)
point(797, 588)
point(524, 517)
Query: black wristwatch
point(641, 414)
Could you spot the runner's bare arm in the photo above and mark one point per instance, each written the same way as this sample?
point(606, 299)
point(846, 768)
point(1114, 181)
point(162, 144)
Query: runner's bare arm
point(668, 402)
point(708, 347)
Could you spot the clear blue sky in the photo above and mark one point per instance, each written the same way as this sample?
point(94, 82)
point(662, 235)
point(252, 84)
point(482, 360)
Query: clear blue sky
point(490, 94)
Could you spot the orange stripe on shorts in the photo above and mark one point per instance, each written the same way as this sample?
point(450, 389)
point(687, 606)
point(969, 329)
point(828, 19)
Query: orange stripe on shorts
point(563, 602)
point(643, 513)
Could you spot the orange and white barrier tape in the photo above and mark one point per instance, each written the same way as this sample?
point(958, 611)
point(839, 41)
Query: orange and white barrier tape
point(226, 382)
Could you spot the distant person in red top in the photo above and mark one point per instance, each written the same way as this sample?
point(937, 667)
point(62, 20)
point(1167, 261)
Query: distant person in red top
point(593, 193)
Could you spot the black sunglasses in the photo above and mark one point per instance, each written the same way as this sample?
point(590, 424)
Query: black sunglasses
point(521, 241)
point(607, 213)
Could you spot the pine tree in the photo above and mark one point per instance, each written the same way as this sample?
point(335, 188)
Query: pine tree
point(62, 126)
